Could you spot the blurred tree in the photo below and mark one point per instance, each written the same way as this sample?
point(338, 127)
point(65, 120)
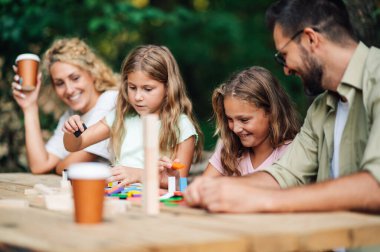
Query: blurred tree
point(209, 38)
point(365, 18)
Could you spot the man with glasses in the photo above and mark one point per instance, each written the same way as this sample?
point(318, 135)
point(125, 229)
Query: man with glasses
point(334, 162)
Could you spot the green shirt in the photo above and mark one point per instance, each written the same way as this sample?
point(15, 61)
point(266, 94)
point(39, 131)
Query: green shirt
point(308, 159)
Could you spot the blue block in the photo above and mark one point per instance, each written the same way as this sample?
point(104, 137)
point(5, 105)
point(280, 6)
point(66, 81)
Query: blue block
point(182, 184)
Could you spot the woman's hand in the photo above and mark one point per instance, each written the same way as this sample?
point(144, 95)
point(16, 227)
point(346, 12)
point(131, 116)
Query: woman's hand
point(25, 99)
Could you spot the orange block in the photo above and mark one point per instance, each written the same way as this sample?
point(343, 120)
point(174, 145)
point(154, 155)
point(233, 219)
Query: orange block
point(177, 166)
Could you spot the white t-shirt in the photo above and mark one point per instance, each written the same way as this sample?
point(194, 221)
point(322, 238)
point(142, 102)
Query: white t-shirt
point(106, 102)
point(340, 122)
point(132, 149)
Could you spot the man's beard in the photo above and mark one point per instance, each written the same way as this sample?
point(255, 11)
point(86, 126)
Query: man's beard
point(312, 76)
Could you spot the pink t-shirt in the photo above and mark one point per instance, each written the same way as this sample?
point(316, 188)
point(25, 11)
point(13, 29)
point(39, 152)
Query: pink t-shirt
point(245, 165)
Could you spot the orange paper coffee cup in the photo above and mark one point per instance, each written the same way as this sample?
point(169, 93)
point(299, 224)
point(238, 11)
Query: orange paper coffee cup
point(27, 65)
point(88, 182)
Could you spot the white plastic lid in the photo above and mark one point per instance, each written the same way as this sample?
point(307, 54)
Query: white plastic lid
point(28, 56)
point(89, 170)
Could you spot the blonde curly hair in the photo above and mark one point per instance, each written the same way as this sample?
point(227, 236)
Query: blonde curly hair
point(76, 52)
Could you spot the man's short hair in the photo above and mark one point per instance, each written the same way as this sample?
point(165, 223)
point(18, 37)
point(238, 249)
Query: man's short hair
point(329, 16)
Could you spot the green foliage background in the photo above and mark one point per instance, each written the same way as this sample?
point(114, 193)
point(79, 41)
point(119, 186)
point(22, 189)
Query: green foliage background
point(210, 39)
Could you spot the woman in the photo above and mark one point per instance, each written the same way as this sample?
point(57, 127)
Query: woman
point(86, 85)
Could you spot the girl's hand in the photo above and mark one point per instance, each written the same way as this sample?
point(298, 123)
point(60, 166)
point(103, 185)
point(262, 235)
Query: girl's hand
point(125, 175)
point(165, 165)
point(25, 99)
point(165, 170)
point(73, 124)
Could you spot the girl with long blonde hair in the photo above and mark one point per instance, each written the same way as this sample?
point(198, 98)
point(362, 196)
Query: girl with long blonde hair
point(151, 84)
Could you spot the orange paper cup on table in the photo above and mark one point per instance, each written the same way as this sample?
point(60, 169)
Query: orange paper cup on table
point(88, 182)
point(27, 69)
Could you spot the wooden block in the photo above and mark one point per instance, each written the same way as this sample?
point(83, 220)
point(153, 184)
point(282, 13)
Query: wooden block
point(64, 175)
point(37, 201)
point(151, 156)
point(65, 185)
point(171, 185)
point(112, 206)
point(114, 189)
point(167, 196)
point(43, 189)
point(177, 166)
point(31, 192)
point(13, 203)
point(59, 202)
point(182, 184)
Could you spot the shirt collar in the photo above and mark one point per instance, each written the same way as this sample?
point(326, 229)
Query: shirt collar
point(354, 72)
point(352, 77)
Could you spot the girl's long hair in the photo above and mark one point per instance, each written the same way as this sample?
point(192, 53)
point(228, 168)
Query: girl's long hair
point(159, 64)
point(259, 87)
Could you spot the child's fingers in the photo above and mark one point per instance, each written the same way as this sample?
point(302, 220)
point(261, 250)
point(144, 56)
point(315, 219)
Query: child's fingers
point(65, 130)
point(126, 181)
point(116, 178)
point(115, 171)
point(110, 179)
point(76, 123)
point(164, 163)
point(68, 128)
point(80, 125)
point(162, 169)
point(113, 177)
point(123, 183)
point(15, 68)
point(168, 163)
point(72, 123)
point(165, 159)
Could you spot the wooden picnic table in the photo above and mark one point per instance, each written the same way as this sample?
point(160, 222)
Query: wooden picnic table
point(174, 229)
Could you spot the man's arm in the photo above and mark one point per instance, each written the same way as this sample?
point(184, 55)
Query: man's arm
point(359, 192)
point(354, 192)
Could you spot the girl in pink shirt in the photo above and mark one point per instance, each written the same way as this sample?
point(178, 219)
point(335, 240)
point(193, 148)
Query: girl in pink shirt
point(255, 121)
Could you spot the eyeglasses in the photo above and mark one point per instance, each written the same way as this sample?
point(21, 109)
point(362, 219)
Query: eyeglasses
point(279, 57)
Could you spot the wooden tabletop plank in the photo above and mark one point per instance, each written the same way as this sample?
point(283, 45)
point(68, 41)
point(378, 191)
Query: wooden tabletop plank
point(303, 231)
point(178, 228)
point(40, 229)
point(27, 179)
point(48, 230)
